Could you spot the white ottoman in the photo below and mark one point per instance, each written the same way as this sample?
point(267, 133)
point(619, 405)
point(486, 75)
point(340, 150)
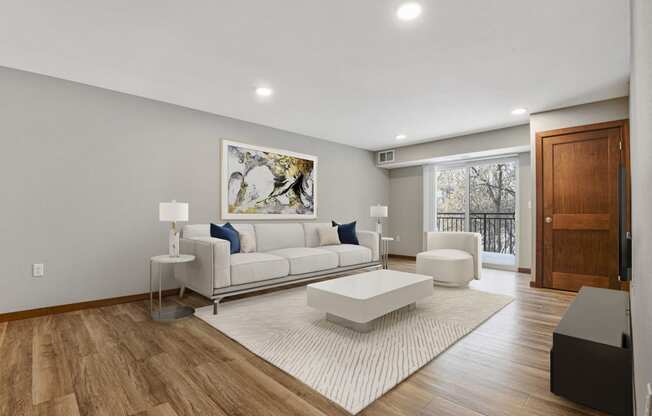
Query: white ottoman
point(448, 267)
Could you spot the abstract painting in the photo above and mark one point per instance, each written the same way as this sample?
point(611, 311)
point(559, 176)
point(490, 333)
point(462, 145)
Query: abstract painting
point(264, 183)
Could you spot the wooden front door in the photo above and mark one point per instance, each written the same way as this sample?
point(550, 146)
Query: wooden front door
point(577, 211)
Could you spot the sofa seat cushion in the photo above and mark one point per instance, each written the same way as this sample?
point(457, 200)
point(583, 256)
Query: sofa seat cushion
point(447, 254)
point(350, 254)
point(447, 266)
point(306, 260)
point(254, 267)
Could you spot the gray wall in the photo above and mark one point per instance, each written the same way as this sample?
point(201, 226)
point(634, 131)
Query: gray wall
point(83, 170)
point(601, 111)
point(641, 142)
point(406, 210)
point(406, 187)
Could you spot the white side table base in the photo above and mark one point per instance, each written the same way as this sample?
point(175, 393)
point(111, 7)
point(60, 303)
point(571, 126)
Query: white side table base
point(172, 313)
point(384, 251)
point(169, 313)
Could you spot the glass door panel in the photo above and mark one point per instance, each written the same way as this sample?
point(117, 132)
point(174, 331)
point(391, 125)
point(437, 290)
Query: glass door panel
point(480, 197)
point(451, 199)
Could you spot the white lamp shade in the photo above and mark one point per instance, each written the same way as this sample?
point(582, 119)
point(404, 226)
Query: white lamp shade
point(378, 211)
point(173, 211)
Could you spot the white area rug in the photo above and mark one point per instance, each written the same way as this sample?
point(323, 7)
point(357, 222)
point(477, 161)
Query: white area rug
point(350, 368)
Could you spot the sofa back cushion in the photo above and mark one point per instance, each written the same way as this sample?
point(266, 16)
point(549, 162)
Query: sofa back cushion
point(277, 236)
point(249, 228)
point(196, 230)
point(311, 233)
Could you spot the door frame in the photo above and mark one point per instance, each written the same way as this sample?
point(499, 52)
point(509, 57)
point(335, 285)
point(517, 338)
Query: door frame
point(623, 125)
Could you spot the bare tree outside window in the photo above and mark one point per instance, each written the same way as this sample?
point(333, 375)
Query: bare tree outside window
point(450, 190)
point(451, 202)
point(492, 188)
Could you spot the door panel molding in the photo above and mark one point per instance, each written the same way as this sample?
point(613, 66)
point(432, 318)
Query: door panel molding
point(544, 276)
point(574, 281)
point(580, 221)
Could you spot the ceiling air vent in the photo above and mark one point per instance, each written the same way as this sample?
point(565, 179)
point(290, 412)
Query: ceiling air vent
point(386, 156)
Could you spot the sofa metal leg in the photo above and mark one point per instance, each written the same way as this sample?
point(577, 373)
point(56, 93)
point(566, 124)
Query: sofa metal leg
point(182, 291)
point(216, 302)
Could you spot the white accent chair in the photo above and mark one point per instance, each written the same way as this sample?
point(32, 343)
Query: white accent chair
point(452, 258)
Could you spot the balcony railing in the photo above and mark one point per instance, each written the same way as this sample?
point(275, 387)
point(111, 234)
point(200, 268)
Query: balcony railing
point(498, 229)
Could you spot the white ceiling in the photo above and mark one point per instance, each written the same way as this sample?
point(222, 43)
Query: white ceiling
point(342, 70)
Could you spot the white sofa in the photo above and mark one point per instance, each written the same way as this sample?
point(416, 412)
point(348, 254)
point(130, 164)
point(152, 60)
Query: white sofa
point(452, 258)
point(285, 253)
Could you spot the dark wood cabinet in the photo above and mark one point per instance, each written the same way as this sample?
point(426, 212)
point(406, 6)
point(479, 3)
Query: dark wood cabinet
point(591, 357)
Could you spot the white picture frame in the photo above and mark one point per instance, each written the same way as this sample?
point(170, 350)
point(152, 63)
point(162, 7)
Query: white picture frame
point(226, 175)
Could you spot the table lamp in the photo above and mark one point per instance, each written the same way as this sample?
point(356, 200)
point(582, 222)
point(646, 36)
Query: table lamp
point(378, 212)
point(172, 212)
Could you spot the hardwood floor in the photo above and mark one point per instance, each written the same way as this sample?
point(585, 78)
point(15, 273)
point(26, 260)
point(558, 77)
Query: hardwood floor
point(115, 361)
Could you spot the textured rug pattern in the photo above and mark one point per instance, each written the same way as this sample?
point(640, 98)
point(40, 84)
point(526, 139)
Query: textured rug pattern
point(350, 368)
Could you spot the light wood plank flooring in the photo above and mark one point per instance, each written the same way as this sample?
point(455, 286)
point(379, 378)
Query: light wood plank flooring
point(115, 361)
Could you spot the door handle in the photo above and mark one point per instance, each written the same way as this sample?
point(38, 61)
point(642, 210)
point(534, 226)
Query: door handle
point(548, 220)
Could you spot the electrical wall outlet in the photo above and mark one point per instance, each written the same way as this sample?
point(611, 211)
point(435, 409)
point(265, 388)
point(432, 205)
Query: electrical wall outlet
point(38, 269)
point(398, 238)
point(648, 400)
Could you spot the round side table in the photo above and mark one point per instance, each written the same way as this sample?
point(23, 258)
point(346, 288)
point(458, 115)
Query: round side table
point(169, 313)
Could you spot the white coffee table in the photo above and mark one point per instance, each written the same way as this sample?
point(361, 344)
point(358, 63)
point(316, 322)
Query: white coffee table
point(356, 301)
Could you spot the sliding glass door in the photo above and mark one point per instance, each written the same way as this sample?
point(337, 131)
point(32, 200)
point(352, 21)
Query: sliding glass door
point(480, 197)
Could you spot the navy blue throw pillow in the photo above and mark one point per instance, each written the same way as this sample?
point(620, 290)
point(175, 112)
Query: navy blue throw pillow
point(228, 233)
point(232, 228)
point(347, 233)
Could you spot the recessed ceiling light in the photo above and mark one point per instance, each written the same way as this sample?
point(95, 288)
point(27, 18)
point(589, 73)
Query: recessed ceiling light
point(519, 111)
point(264, 91)
point(401, 137)
point(409, 11)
